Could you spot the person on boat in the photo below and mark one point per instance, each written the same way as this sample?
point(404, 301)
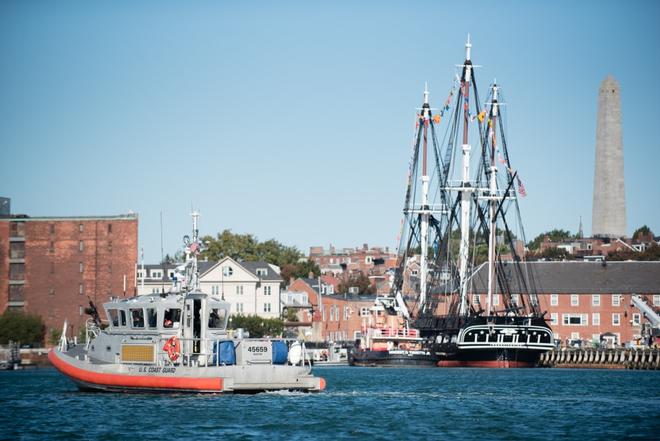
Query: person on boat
point(214, 319)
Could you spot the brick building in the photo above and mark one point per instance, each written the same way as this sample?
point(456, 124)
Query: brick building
point(585, 300)
point(50, 265)
point(331, 318)
point(374, 262)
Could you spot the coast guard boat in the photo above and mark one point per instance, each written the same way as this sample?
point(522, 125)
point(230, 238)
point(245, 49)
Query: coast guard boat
point(178, 342)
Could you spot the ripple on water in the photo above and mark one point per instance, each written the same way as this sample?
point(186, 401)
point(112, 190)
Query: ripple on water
point(358, 403)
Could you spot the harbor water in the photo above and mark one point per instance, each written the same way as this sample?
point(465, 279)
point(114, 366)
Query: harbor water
point(359, 403)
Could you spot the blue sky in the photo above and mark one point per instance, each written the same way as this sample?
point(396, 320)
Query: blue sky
point(293, 120)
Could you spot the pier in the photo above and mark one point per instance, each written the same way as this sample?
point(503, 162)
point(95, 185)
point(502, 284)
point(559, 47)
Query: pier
point(618, 358)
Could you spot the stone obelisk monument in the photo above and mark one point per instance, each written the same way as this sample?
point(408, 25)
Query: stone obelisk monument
point(609, 209)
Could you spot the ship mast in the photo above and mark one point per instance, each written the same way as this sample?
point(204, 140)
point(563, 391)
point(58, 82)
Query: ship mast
point(424, 227)
point(492, 204)
point(466, 193)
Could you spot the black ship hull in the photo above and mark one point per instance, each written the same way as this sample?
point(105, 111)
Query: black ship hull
point(392, 358)
point(489, 358)
point(493, 342)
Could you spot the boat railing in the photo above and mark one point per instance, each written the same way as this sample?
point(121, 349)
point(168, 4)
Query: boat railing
point(397, 332)
point(206, 351)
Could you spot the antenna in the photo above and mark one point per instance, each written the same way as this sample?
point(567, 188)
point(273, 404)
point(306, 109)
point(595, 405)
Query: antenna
point(162, 257)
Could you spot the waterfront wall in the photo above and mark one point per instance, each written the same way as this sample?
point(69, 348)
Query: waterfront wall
point(619, 358)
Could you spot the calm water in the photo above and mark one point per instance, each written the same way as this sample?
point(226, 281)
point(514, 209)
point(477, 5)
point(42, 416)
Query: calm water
point(358, 403)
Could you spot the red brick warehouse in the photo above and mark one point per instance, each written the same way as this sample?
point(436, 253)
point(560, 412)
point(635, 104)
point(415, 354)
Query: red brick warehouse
point(50, 265)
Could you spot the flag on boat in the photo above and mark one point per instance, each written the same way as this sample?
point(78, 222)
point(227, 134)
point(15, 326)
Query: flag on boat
point(521, 187)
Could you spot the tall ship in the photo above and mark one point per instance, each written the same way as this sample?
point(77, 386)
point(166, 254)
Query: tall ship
point(477, 300)
point(179, 342)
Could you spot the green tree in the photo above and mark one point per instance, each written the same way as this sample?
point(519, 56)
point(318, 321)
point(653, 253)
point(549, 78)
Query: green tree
point(554, 235)
point(360, 281)
point(257, 326)
point(299, 269)
point(643, 231)
point(248, 247)
point(21, 327)
point(54, 336)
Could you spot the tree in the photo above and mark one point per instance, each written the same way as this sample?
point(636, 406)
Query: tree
point(246, 247)
point(257, 326)
point(554, 235)
point(21, 327)
point(552, 253)
point(360, 281)
point(54, 336)
point(299, 269)
point(642, 231)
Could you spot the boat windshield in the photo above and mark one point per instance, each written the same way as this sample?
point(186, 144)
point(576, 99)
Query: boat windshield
point(172, 318)
point(217, 318)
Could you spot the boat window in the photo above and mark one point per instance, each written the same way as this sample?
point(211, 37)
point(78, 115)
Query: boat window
point(122, 316)
point(114, 318)
point(172, 318)
point(217, 318)
point(137, 317)
point(152, 321)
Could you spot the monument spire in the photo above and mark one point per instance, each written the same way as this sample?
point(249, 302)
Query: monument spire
point(609, 208)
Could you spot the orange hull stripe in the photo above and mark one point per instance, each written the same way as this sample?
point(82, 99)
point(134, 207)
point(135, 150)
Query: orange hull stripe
point(134, 381)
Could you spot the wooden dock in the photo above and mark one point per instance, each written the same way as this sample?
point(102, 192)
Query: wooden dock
point(592, 358)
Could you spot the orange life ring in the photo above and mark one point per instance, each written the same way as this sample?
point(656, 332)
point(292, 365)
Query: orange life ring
point(173, 348)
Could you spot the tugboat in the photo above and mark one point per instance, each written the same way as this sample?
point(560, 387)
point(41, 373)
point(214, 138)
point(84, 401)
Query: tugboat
point(387, 340)
point(178, 342)
point(478, 256)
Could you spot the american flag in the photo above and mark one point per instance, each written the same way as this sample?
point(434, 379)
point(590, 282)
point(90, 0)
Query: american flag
point(521, 187)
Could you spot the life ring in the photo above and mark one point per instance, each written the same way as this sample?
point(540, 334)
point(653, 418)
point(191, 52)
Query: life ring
point(173, 348)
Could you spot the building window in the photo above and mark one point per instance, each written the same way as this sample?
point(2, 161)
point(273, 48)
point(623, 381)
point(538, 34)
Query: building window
point(515, 299)
point(110, 246)
point(51, 248)
point(140, 274)
point(616, 300)
point(51, 291)
point(534, 299)
point(80, 310)
point(554, 299)
point(109, 228)
point(16, 271)
point(239, 289)
point(496, 299)
point(16, 293)
point(156, 274)
point(616, 319)
point(81, 228)
point(656, 300)
point(239, 308)
point(553, 318)
point(575, 335)
point(227, 271)
point(80, 267)
point(575, 300)
point(575, 319)
point(368, 259)
point(81, 246)
point(52, 228)
point(414, 273)
point(595, 300)
point(262, 272)
point(267, 290)
point(81, 289)
point(636, 319)
point(595, 318)
point(364, 312)
point(476, 299)
point(346, 312)
point(266, 307)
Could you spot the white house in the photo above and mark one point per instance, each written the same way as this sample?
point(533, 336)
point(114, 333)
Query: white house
point(250, 287)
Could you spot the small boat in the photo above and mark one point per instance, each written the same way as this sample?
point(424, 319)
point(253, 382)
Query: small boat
point(179, 342)
point(388, 341)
